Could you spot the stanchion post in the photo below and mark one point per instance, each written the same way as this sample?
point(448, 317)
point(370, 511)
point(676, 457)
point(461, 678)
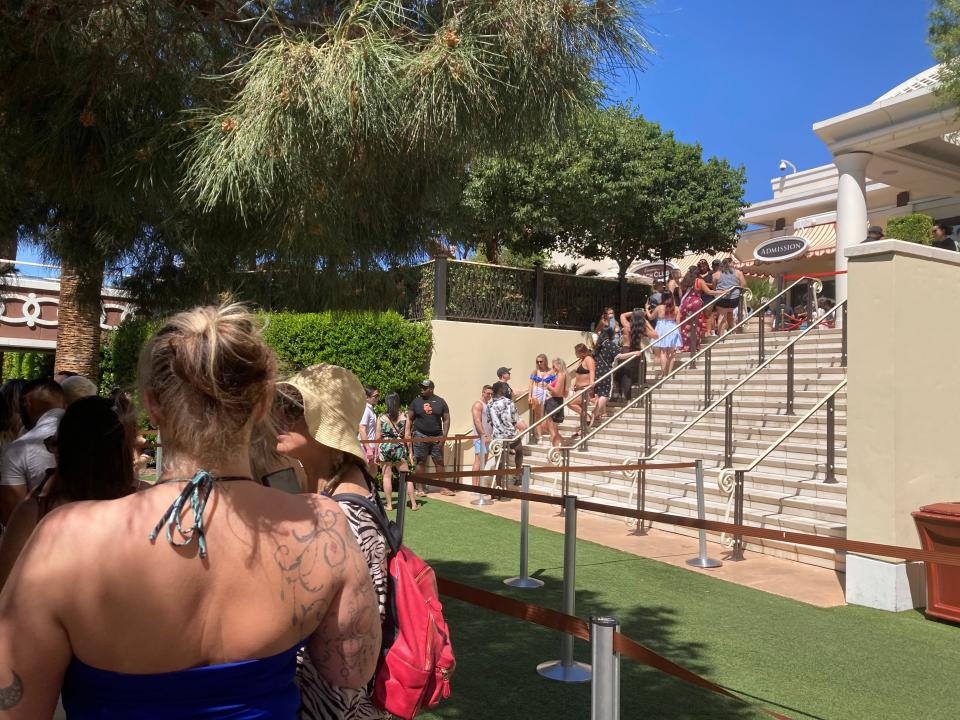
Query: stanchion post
point(523, 580)
point(737, 552)
point(566, 669)
point(605, 688)
point(401, 501)
point(702, 561)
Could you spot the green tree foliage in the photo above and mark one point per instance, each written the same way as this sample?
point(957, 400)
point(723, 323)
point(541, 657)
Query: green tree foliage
point(316, 135)
point(504, 210)
point(616, 187)
point(761, 288)
point(944, 38)
point(120, 353)
point(626, 190)
point(383, 99)
point(913, 228)
point(90, 108)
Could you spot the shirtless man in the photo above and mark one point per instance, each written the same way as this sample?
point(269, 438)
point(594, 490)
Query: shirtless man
point(481, 427)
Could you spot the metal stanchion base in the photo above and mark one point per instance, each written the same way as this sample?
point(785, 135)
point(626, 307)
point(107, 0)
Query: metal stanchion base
point(640, 529)
point(704, 562)
point(523, 582)
point(578, 672)
point(482, 501)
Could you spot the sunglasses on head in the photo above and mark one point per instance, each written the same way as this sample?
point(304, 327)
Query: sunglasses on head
point(287, 406)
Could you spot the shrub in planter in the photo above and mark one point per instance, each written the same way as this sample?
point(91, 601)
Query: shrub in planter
point(913, 228)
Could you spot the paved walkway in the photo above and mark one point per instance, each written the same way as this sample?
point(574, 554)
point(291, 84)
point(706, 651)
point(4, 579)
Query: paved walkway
point(806, 583)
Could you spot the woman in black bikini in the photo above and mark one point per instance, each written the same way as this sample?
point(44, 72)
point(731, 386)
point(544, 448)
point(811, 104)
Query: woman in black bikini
point(584, 376)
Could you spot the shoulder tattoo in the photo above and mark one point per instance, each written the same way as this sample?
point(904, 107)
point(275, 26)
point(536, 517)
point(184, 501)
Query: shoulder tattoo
point(11, 695)
point(304, 562)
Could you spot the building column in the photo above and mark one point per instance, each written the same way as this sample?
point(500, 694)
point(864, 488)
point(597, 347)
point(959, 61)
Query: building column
point(851, 210)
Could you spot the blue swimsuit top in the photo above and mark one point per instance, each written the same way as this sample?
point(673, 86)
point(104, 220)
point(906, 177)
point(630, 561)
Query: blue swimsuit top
point(247, 690)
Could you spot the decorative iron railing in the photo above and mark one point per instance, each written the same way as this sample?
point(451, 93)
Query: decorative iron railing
point(477, 292)
point(490, 293)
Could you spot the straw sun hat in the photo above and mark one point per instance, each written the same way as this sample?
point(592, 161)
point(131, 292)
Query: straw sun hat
point(333, 405)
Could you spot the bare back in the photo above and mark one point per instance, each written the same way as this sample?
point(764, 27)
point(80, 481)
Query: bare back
point(280, 568)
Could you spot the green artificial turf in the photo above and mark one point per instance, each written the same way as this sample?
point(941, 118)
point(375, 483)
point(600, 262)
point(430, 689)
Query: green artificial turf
point(799, 660)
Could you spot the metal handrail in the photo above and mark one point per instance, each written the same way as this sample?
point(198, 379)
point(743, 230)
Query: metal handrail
point(731, 481)
point(556, 457)
point(497, 445)
point(762, 366)
point(809, 414)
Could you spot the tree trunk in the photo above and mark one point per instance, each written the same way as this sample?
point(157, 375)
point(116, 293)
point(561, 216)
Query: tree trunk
point(622, 284)
point(8, 251)
point(492, 248)
point(78, 336)
point(8, 245)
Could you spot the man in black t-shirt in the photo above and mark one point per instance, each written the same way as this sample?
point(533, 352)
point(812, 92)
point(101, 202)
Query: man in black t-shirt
point(428, 417)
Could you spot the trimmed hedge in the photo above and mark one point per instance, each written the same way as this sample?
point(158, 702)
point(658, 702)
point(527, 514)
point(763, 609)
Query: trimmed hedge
point(913, 228)
point(382, 349)
point(27, 365)
point(120, 353)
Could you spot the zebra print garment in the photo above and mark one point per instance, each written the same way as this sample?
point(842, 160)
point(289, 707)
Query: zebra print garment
point(319, 700)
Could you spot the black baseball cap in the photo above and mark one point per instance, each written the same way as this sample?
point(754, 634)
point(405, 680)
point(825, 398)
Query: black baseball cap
point(502, 370)
point(426, 384)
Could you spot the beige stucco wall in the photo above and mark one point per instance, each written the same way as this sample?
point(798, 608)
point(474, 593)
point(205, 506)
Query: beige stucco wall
point(904, 387)
point(466, 357)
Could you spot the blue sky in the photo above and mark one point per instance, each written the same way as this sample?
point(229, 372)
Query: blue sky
point(748, 78)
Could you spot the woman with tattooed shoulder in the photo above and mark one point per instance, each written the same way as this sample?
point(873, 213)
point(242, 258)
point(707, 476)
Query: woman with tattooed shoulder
point(190, 599)
point(321, 408)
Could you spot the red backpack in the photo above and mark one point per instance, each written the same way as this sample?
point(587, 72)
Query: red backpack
point(416, 659)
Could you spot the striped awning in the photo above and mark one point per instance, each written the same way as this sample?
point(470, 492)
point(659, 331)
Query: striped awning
point(822, 239)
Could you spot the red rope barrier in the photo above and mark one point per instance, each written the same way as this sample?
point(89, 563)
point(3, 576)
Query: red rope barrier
point(570, 625)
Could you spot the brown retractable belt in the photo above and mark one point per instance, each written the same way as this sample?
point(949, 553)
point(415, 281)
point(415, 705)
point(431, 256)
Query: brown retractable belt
point(570, 625)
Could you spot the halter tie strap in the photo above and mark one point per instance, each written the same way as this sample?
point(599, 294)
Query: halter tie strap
point(198, 491)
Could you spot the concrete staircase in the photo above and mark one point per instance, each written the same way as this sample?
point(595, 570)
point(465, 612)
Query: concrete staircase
point(786, 492)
